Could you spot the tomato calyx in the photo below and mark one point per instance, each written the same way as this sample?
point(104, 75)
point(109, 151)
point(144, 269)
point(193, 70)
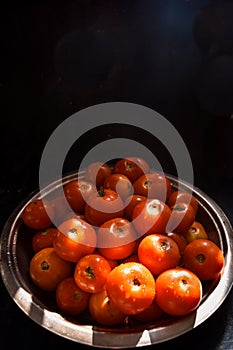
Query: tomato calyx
point(73, 234)
point(165, 245)
point(201, 258)
point(90, 272)
point(129, 165)
point(45, 265)
point(101, 192)
point(136, 282)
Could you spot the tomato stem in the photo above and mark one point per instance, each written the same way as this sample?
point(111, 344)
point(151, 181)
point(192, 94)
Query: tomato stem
point(44, 265)
point(201, 258)
point(101, 192)
point(164, 245)
point(90, 272)
point(136, 282)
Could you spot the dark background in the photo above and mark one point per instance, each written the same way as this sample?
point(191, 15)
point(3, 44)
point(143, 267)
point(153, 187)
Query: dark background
point(174, 56)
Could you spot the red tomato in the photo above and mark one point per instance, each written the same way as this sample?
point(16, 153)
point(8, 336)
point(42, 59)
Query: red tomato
point(91, 272)
point(178, 291)
point(131, 202)
point(74, 239)
point(71, 299)
point(152, 313)
point(204, 258)
point(47, 269)
point(142, 163)
point(131, 287)
point(195, 231)
point(119, 183)
point(158, 253)
point(182, 217)
point(116, 239)
point(153, 185)
point(104, 311)
point(183, 197)
point(77, 193)
point(179, 239)
point(43, 239)
point(61, 209)
point(151, 217)
point(132, 258)
point(131, 167)
point(38, 214)
point(102, 206)
point(97, 172)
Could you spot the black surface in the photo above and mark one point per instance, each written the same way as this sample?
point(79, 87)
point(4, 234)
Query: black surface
point(174, 56)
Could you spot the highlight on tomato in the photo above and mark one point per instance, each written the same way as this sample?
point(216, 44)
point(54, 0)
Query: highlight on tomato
point(151, 216)
point(116, 239)
point(153, 185)
point(131, 287)
point(38, 214)
point(91, 272)
point(74, 239)
point(204, 258)
point(158, 253)
point(178, 291)
point(77, 192)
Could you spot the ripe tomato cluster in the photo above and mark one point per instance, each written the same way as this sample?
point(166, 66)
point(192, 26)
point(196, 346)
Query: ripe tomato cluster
point(130, 246)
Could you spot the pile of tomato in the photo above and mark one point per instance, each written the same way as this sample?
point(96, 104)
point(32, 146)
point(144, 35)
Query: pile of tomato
point(130, 245)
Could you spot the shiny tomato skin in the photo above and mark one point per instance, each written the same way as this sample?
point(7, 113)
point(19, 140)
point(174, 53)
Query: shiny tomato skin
point(116, 238)
point(119, 183)
point(71, 299)
point(47, 269)
point(195, 231)
point(151, 216)
point(131, 167)
point(77, 192)
point(141, 162)
point(158, 253)
point(178, 291)
point(105, 205)
point(91, 272)
point(74, 239)
point(179, 239)
point(182, 217)
point(43, 239)
point(61, 208)
point(131, 287)
point(204, 258)
point(183, 197)
point(38, 214)
point(103, 311)
point(97, 172)
point(152, 313)
point(130, 202)
point(153, 185)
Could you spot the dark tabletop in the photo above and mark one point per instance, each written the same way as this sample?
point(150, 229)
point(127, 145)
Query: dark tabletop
point(173, 56)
